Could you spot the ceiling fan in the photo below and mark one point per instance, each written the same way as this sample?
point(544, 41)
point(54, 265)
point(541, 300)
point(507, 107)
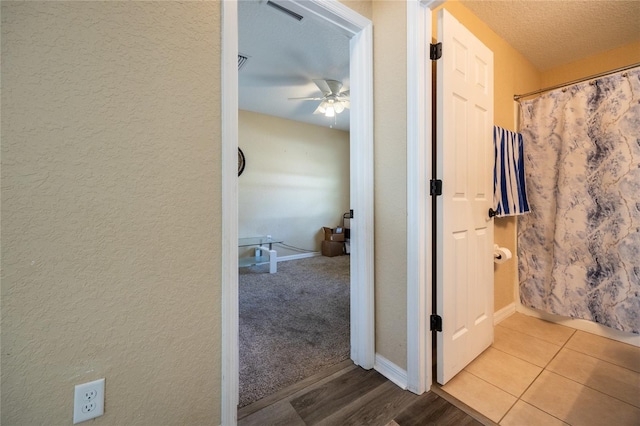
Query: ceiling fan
point(333, 100)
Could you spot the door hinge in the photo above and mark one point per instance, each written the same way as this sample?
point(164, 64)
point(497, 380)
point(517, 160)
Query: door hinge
point(435, 187)
point(435, 51)
point(436, 322)
point(351, 214)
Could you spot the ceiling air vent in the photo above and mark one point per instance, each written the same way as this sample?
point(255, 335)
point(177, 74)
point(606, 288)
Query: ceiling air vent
point(286, 11)
point(242, 60)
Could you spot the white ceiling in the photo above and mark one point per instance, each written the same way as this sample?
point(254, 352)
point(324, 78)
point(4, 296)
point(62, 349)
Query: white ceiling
point(286, 55)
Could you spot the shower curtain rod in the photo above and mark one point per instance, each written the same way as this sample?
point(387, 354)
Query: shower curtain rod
point(580, 80)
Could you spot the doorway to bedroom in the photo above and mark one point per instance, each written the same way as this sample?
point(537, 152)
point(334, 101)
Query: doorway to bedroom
point(296, 180)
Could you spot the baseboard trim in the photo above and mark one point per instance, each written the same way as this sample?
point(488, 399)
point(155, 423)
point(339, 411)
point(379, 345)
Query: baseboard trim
point(504, 313)
point(583, 325)
point(298, 256)
point(391, 371)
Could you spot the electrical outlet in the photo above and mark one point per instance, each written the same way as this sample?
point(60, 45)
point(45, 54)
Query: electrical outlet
point(88, 401)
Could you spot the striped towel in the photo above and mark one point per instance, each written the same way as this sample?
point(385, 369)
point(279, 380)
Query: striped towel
point(509, 191)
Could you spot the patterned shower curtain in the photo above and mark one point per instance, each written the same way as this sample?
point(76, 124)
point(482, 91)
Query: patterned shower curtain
point(579, 248)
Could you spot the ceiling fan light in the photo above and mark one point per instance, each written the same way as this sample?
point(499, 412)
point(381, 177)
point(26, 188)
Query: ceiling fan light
point(322, 108)
point(330, 111)
point(338, 107)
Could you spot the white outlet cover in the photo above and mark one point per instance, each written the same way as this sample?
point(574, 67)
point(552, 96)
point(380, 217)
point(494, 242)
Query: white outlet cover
point(88, 401)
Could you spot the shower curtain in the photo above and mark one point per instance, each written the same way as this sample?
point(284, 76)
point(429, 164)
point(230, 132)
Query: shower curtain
point(579, 248)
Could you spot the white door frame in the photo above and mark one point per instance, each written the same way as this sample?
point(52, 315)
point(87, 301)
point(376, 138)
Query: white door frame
point(419, 214)
point(359, 29)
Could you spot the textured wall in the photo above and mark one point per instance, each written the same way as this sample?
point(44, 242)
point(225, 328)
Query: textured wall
point(296, 180)
point(111, 210)
point(363, 7)
point(390, 176)
point(612, 59)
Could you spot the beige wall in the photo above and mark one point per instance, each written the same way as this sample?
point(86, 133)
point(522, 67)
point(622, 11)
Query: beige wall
point(363, 7)
point(390, 178)
point(296, 180)
point(612, 59)
point(111, 201)
point(512, 74)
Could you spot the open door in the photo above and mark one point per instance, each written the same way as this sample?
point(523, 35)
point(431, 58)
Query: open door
point(464, 258)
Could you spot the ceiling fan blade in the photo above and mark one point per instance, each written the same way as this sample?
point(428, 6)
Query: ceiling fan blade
point(344, 94)
point(323, 86)
point(306, 99)
point(335, 86)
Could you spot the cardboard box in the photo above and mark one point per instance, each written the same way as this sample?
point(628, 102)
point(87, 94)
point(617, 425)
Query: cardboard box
point(332, 248)
point(337, 238)
point(334, 234)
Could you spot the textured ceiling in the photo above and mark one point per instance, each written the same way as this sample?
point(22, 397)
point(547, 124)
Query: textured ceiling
point(286, 55)
point(557, 32)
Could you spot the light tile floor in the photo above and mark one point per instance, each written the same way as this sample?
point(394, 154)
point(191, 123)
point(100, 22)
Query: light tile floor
point(540, 373)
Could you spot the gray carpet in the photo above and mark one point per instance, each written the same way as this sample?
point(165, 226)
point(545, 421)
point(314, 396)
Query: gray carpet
point(293, 323)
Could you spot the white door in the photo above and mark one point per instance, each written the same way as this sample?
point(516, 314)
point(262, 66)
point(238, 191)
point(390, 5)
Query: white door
point(464, 258)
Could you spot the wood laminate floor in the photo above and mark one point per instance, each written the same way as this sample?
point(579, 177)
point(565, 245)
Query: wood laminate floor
point(349, 395)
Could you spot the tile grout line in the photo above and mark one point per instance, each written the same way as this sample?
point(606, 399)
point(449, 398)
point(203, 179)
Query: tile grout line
point(519, 398)
point(488, 382)
point(498, 387)
point(501, 324)
point(527, 403)
point(602, 359)
point(592, 388)
point(533, 337)
point(584, 384)
point(495, 386)
point(517, 357)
